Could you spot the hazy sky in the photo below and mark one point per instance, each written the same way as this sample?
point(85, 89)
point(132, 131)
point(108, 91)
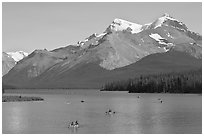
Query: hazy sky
point(30, 26)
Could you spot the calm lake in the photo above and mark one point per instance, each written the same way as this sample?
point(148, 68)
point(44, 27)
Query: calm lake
point(179, 113)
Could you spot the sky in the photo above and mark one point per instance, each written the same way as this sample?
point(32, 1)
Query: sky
point(30, 26)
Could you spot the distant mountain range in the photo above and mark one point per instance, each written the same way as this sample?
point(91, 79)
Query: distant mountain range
point(124, 50)
point(10, 59)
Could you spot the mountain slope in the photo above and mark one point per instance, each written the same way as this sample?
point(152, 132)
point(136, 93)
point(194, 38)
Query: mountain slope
point(91, 75)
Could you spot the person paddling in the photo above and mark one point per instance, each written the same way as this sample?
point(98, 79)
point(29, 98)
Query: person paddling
point(110, 112)
point(76, 122)
point(72, 124)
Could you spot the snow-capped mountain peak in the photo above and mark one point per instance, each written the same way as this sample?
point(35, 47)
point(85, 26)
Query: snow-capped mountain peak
point(169, 20)
point(166, 16)
point(17, 56)
point(120, 25)
point(162, 19)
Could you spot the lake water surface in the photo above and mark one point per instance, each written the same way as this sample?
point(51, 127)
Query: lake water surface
point(179, 113)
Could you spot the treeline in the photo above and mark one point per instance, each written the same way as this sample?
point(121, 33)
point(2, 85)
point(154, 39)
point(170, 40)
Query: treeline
point(183, 82)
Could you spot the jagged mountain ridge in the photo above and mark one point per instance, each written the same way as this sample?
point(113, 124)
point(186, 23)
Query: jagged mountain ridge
point(121, 44)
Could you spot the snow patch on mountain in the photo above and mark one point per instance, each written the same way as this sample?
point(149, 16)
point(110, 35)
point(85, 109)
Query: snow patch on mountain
point(157, 37)
point(147, 24)
point(120, 25)
point(161, 40)
point(169, 35)
point(102, 34)
point(17, 56)
point(80, 43)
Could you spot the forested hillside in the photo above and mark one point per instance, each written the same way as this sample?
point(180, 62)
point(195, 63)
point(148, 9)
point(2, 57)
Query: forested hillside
point(183, 82)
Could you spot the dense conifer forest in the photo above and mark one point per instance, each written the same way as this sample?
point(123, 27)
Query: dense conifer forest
point(182, 82)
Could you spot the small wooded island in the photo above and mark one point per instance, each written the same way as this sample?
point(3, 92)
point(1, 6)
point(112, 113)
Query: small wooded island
point(10, 98)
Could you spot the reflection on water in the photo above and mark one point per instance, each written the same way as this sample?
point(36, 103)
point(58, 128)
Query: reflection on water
point(17, 119)
point(177, 114)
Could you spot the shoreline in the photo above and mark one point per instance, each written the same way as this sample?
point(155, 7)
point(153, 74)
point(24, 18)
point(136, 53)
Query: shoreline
point(149, 92)
point(43, 90)
point(19, 92)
